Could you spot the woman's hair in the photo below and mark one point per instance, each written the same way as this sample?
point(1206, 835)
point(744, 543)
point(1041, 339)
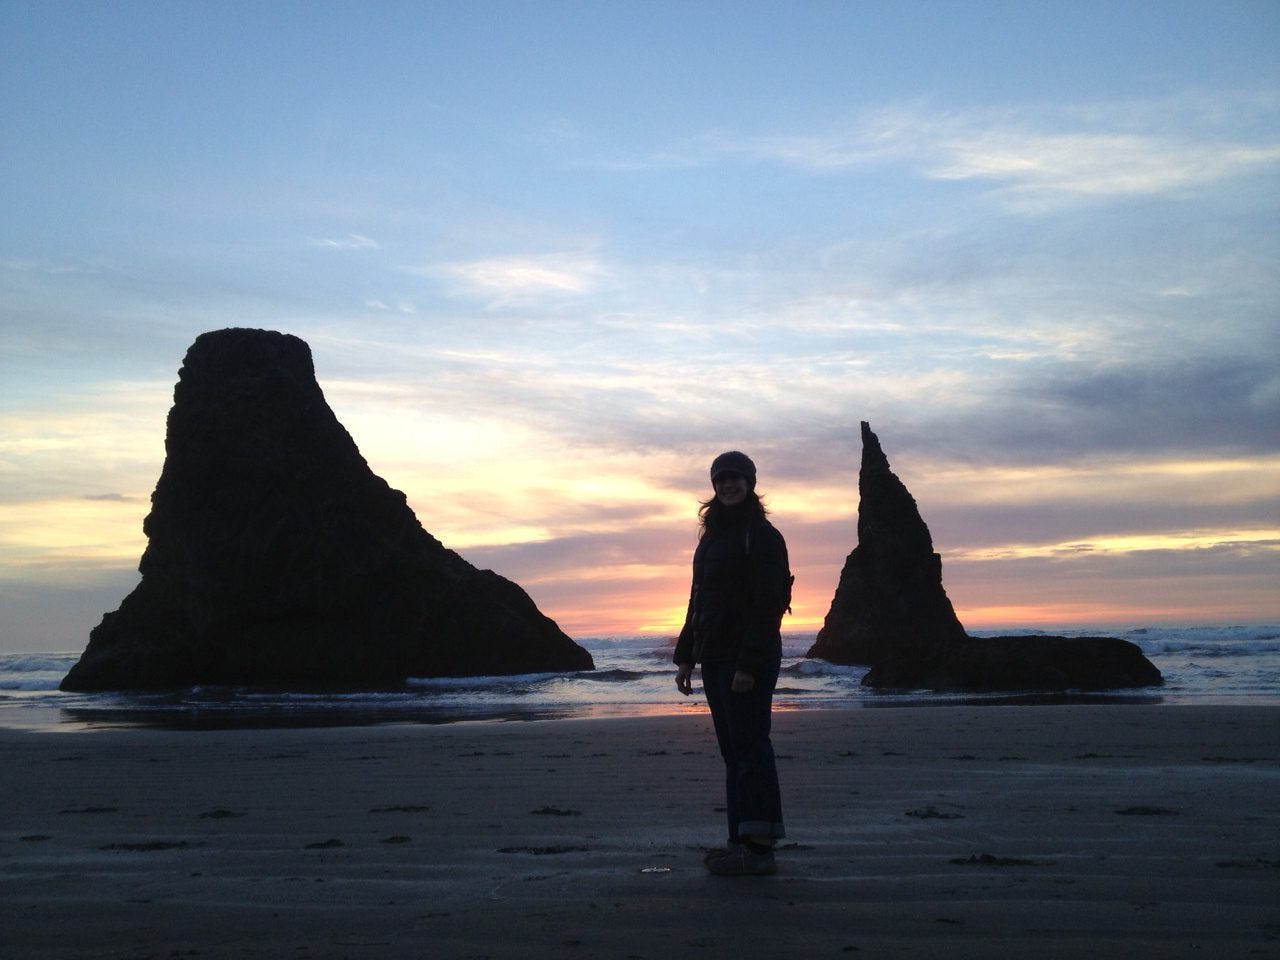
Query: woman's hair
point(711, 513)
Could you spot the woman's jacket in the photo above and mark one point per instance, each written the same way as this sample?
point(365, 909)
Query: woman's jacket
point(741, 588)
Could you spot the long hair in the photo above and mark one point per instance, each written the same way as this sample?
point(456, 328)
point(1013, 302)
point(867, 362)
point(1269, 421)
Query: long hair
point(711, 513)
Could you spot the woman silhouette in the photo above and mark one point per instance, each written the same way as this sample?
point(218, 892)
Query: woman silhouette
point(741, 588)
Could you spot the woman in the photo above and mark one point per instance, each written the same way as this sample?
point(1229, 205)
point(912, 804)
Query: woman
point(741, 588)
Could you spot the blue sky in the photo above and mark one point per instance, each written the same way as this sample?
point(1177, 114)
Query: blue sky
point(552, 257)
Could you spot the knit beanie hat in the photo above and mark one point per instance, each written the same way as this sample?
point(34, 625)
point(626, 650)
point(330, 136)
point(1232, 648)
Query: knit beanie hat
point(734, 462)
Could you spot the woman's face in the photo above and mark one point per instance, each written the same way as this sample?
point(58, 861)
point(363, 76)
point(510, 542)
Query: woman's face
point(731, 488)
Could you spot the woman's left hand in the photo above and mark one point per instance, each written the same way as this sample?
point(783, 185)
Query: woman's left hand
point(684, 681)
point(743, 682)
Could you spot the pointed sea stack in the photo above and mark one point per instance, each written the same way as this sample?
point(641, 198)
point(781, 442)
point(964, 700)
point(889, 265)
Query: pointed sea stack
point(890, 597)
point(890, 611)
point(277, 558)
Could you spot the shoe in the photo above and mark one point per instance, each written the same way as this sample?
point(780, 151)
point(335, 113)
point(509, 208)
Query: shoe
point(717, 852)
point(741, 861)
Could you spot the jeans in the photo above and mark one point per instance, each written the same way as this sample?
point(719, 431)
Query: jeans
point(742, 720)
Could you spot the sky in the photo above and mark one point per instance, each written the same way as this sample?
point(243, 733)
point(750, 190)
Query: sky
point(551, 258)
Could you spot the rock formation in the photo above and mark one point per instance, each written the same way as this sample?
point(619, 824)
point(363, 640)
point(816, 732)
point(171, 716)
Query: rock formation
point(276, 557)
point(1035, 663)
point(890, 611)
point(890, 596)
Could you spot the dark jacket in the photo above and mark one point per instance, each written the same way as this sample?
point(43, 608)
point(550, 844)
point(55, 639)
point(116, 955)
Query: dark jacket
point(741, 587)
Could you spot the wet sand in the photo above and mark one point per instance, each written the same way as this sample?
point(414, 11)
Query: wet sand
point(932, 832)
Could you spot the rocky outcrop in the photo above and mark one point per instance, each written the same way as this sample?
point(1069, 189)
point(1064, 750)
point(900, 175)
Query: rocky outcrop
point(1032, 663)
point(890, 611)
point(276, 557)
point(889, 598)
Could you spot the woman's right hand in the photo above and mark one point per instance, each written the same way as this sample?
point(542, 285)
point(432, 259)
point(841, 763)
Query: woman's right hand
point(684, 678)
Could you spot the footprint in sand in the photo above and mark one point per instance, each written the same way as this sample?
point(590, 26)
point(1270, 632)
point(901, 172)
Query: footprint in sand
point(555, 812)
point(219, 813)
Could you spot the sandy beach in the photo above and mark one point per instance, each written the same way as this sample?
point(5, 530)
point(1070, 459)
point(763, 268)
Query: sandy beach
point(939, 832)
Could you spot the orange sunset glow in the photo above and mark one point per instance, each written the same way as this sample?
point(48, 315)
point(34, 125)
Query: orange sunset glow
point(549, 265)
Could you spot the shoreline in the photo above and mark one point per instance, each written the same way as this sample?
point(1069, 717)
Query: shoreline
point(1201, 664)
point(1046, 830)
point(40, 718)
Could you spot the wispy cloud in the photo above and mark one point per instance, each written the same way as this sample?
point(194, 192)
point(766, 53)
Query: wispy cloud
point(400, 306)
point(505, 279)
point(1042, 170)
point(1037, 159)
point(352, 241)
point(1257, 541)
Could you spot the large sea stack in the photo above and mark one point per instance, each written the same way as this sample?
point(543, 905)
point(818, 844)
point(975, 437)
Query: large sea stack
point(276, 557)
point(889, 598)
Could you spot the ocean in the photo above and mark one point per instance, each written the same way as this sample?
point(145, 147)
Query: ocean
point(633, 677)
